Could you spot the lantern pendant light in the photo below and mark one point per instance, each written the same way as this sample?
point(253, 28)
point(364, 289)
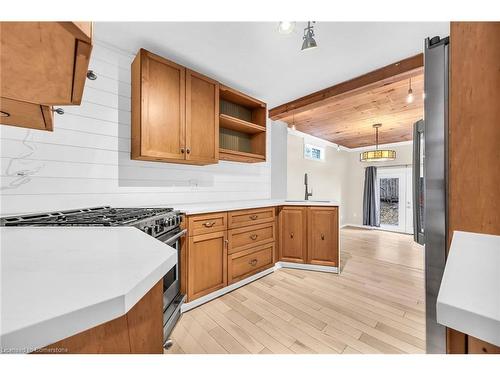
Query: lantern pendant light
point(377, 155)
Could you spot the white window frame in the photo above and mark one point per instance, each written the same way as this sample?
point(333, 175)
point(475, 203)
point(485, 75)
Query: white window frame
point(309, 155)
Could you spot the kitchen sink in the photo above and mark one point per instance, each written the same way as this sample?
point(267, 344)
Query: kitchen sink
point(310, 200)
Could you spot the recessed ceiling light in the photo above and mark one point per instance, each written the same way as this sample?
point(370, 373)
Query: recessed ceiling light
point(286, 27)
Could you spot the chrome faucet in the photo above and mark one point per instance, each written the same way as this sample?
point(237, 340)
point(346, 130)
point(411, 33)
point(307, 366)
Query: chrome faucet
point(307, 194)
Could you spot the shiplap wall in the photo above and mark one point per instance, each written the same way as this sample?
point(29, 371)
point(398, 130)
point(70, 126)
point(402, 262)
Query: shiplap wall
point(86, 160)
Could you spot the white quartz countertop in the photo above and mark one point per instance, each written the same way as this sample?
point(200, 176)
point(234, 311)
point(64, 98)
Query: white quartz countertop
point(56, 282)
point(199, 208)
point(469, 296)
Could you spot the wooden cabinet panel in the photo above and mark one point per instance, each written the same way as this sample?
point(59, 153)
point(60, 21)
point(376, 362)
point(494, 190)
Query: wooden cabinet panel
point(202, 118)
point(207, 223)
point(158, 106)
point(207, 264)
point(292, 227)
point(28, 115)
point(62, 59)
point(249, 262)
point(322, 236)
point(476, 346)
point(241, 218)
point(251, 236)
point(138, 331)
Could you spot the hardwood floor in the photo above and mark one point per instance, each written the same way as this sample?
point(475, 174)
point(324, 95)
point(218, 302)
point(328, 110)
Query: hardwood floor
point(376, 305)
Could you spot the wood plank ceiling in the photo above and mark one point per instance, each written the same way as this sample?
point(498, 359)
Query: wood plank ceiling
point(347, 118)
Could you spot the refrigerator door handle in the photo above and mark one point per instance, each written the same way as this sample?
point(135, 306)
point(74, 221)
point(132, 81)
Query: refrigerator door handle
point(418, 131)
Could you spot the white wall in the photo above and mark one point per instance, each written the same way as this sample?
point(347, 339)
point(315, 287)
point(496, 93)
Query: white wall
point(355, 178)
point(325, 178)
point(279, 159)
point(86, 160)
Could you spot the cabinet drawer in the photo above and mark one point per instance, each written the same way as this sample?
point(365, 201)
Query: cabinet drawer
point(207, 223)
point(248, 262)
point(250, 236)
point(242, 218)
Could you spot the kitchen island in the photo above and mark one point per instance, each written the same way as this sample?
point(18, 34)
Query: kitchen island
point(101, 284)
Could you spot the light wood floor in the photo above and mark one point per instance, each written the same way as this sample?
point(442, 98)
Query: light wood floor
point(376, 305)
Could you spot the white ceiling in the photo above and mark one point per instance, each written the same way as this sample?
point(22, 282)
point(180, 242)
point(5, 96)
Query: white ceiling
point(254, 58)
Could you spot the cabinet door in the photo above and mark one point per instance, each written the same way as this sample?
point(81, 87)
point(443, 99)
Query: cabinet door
point(158, 108)
point(322, 224)
point(202, 118)
point(28, 115)
point(207, 264)
point(292, 246)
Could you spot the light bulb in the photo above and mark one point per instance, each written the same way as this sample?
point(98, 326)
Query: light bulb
point(409, 98)
point(286, 27)
point(293, 127)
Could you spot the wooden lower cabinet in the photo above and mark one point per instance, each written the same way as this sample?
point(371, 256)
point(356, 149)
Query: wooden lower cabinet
point(246, 263)
point(476, 346)
point(292, 238)
point(207, 264)
point(139, 331)
point(322, 236)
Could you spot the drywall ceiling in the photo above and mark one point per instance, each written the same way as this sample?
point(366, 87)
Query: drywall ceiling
point(254, 58)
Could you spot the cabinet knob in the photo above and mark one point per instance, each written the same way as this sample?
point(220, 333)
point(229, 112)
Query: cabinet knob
point(253, 262)
point(253, 237)
point(291, 235)
point(188, 150)
point(322, 236)
point(209, 224)
point(226, 242)
point(182, 150)
point(59, 111)
point(254, 217)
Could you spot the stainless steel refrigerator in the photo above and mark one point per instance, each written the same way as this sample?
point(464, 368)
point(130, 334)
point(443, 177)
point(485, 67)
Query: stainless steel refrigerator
point(430, 158)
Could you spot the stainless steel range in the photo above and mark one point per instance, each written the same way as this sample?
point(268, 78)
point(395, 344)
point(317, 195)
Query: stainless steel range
point(163, 224)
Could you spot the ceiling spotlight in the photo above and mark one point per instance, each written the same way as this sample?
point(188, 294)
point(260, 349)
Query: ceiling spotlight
point(409, 98)
point(308, 37)
point(286, 27)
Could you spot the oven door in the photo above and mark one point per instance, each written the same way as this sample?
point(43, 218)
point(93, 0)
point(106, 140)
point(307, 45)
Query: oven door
point(171, 281)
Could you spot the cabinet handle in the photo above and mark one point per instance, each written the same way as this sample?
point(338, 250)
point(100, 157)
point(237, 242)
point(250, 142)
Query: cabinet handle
point(226, 243)
point(291, 235)
point(322, 236)
point(254, 217)
point(188, 150)
point(253, 262)
point(209, 224)
point(182, 150)
point(253, 237)
point(4, 114)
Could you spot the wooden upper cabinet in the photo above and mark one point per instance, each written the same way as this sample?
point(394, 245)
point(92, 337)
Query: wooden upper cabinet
point(175, 112)
point(202, 118)
point(292, 228)
point(28, 115)
point(322, 236)
point(45, 62)
point(158, 108)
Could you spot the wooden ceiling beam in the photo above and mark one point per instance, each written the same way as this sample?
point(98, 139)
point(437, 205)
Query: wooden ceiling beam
point(409, 67)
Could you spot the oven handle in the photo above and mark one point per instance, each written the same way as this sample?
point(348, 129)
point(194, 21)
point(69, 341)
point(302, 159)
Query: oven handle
point(171, 240)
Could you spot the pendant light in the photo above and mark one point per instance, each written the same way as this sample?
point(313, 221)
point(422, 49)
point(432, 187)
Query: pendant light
point(293, 121)
point(377, 155)
point(309, 42)
point(409, 98)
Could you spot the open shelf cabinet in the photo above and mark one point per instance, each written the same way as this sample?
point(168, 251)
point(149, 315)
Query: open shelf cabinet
point(242, 127)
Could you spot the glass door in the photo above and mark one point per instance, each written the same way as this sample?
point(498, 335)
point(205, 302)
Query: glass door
point(395, 199)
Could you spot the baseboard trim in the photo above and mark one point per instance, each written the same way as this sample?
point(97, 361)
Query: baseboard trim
point(200, 301)
point(218, 293)
point(307, 267)
point(360, 226)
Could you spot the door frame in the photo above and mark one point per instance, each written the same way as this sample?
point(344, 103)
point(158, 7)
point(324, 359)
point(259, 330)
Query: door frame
point(402, 173)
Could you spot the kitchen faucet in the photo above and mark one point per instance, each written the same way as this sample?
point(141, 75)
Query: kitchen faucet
point(307, 193)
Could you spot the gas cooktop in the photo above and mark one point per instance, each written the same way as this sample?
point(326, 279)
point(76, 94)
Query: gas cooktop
point(97, 216)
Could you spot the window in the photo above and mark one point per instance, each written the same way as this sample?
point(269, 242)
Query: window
point(314, 152)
